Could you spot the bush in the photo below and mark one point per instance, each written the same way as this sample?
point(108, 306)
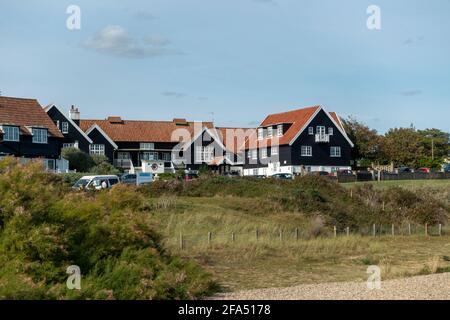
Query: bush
point(78, 160)
point(108, 234)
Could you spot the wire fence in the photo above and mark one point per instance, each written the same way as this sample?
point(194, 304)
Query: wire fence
point(186, 241)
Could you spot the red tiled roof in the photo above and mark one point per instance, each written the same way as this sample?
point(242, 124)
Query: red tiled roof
point(143, 131)
point(26, 113)
point(297, 118)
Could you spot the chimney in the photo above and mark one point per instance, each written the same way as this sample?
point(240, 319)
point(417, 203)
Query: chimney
point(74, 114)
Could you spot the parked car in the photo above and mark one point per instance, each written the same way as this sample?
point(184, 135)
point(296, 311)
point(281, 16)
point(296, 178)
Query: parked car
point(96, 182)
point(345, 172)
point(283, 176)
point(447, 168)
point(404, 170)
point(320, 173)
point(128, 178)
point(424, 170)
point(232, 174)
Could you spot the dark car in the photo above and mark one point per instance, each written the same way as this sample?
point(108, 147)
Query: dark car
point(231, 174)
point(447, 168)
point(128, 178)
point(404, 170)
point(320, 173)
point(283, 176)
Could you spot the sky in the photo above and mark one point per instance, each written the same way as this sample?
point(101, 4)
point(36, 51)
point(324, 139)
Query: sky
point(232, 61)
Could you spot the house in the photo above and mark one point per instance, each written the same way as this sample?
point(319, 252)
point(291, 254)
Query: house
point(302, 140)
point(69, 126)
point(27, 132)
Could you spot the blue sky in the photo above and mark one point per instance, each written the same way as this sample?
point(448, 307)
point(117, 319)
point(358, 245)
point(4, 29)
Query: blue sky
point(232, 60)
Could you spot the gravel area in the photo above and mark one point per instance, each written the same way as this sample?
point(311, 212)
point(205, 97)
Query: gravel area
point(433, 287)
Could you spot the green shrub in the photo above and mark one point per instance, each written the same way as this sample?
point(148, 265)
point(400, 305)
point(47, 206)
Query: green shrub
point(108, 234)
point(78, 160)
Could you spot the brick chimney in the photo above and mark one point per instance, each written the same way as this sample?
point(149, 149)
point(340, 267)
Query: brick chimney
point(74, 114)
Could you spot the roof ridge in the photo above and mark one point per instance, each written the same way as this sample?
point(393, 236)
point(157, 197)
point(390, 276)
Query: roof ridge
point(18, 98)
point(293, 110)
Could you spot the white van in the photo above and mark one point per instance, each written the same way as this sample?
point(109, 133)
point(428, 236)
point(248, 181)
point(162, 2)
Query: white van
point(96, 182)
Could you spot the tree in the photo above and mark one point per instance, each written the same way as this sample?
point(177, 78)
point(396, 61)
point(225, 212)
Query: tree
point(366, 140)
point(78, 160)
point(436, 146)
point(403, 146)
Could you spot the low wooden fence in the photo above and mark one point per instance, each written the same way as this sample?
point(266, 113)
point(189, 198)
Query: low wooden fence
point(186, 241)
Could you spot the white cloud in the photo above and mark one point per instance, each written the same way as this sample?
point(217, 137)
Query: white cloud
point(117, 41)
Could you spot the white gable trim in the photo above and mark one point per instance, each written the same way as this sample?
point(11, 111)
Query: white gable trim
point(103, 133)
point(332, 120)
point(212, 134)
point(47, 109)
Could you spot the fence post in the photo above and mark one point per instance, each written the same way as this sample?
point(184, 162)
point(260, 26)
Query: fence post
point(348, 231)
point(393, 230)
point(426, 229)
point(296, 233)
point(384, 205)
point(374, 230)
point(181, 241)
point(351, 193)
point(256, 234)
point(209, 237)
point(281, 234)
point(440, 229)
point(409, 228)
point(232, 237)
point(335, 231)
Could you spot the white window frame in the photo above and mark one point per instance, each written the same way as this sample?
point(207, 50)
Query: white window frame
point(146, 146)
point(166, 156)
point(264, 153)
point(65, 127)
point(280, 130)
point(335, 152)
point(330, 131)
point(97, 149)
point(39, 135)
point(260, 133)
point(311, 131)
point(150, 156)
point(306, 151)
point(321, 130)
point(269, 132)
point(13, 135)
point(204, 153)
point(274, 151)
point(68, 145)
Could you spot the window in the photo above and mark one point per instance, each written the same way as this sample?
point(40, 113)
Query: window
point(274, 151)
point(330, 131)
point(56, 123)
point(97, 149)
point(204, 154)
point(165, 156)
point(311, 131)
point(269, 132)
point(260, 133)
point(264, 153)
point(320, 130)
point(306, 151)
point(10, 133)
point(335, 152)
point(254, 154)
point(68, 145)
point(149, 156)
point(280, 130)
point(65, 127)
point(39, 135)
point(147, 146)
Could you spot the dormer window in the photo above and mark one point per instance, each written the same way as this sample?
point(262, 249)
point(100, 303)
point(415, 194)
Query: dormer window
point(269, 132)
point(260, 133)
point(280, 130)
point(311, 131)
point(330, 131)
point(10, 133)
point(39, 135)
point(146, 146)
point(65, 127)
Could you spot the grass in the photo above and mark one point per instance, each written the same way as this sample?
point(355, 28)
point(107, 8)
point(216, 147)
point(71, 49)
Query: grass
point(270, 262)
point(409, 184)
